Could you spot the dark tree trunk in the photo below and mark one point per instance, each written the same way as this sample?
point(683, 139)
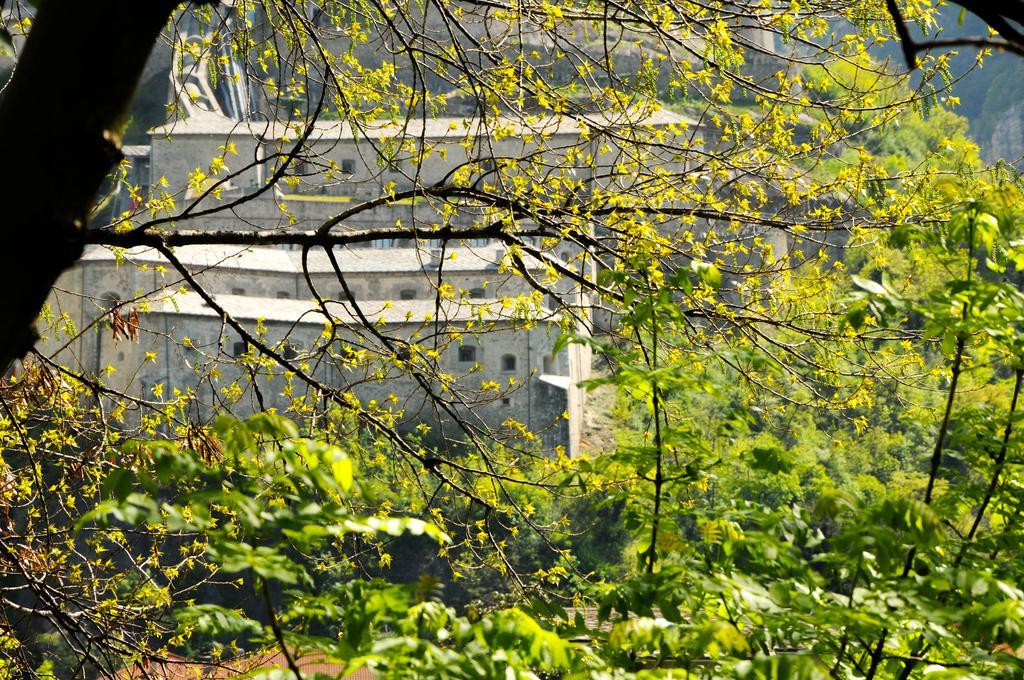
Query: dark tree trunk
point(60, 124)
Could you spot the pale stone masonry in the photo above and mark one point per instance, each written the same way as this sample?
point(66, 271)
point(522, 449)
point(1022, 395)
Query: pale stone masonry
point(491, 326)
point(506, 337)
point(458, 307)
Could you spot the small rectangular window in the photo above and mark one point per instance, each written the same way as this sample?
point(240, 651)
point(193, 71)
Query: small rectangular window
point(407, 294)
point(467, 353)
point(283, 295)
point(238, 291)
point(238, 349)
point(348, 165)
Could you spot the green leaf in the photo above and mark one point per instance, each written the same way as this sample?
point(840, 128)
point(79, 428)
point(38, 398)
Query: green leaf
point(266, 562)
point(118, 484)
point(856, 316)
point(341, 468)
point(708, 273)
point(870, 286)
point(214, 620)
point(948, 342)
point(782, 667)
point(771, 459)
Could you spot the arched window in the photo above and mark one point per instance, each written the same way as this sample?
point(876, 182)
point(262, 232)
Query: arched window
point(508, 362)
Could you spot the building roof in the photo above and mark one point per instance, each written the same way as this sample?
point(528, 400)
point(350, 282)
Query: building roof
point(368, 260)
point(272, 259)
point(248, 308)
point(560, 381)
point(431, 128)
point(262, 259)
point(135, 150)
point(176, 667)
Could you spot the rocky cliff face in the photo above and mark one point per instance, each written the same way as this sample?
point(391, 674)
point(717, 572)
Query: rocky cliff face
point(1006, 140)
point(992, 99)
point(990, 96)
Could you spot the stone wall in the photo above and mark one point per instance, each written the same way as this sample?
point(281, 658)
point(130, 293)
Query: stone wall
point(517, 358)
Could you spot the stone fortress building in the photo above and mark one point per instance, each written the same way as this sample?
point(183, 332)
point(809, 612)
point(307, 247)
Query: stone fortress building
point(357, 323)
point(352, 324)
point(183, 340)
